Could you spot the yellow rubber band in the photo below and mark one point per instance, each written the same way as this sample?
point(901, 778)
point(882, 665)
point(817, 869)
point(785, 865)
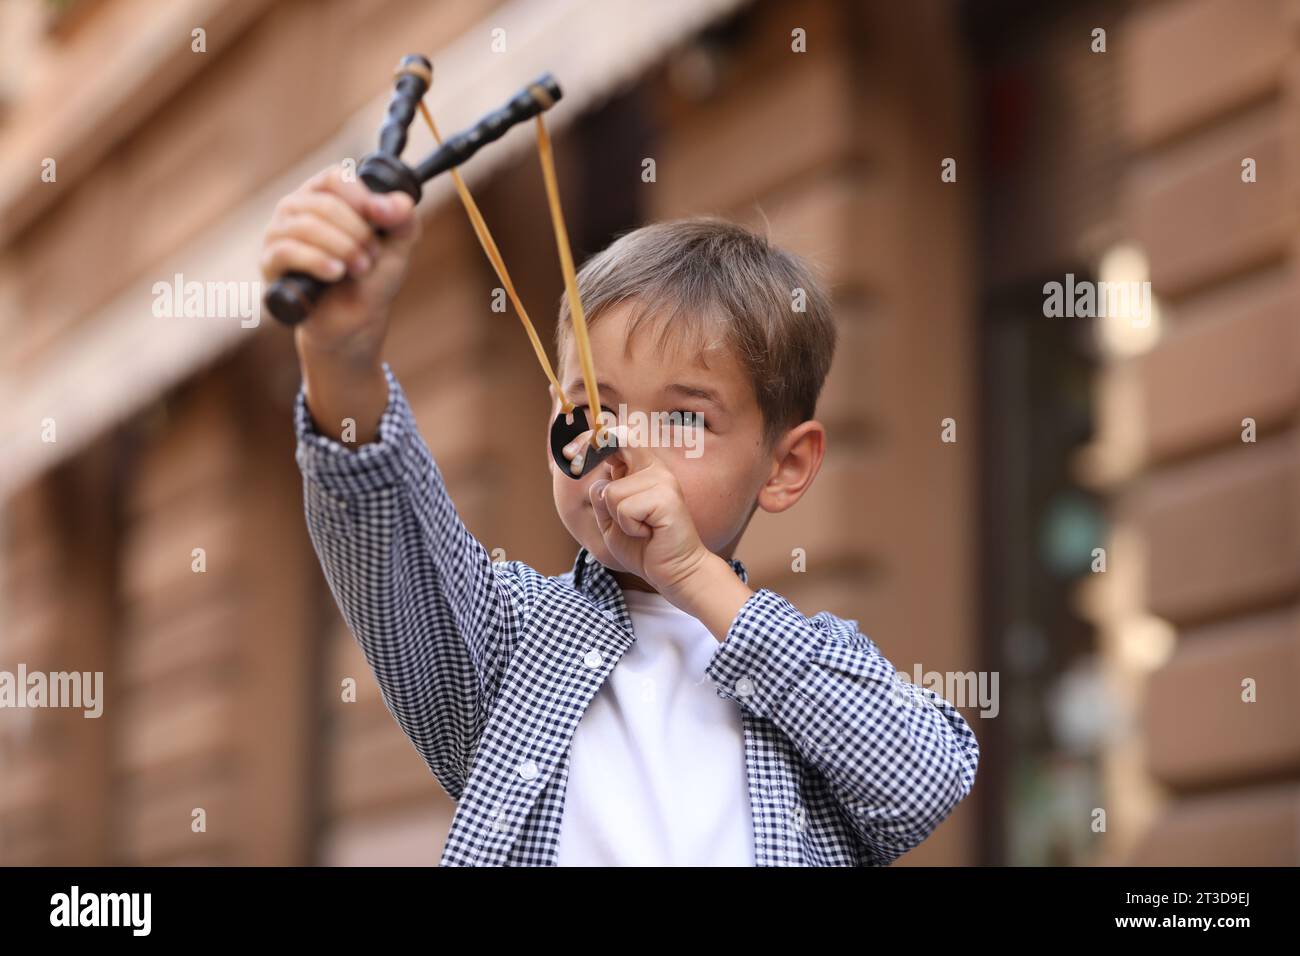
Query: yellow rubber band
point(498, 264)
point(570, 278)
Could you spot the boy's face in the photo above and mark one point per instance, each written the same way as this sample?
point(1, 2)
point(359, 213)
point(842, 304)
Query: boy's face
point(721, 465)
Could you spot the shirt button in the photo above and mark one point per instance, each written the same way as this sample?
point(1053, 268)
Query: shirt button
point(593, 659)
point(528, 770)
point(591, 558)
point(744, 687)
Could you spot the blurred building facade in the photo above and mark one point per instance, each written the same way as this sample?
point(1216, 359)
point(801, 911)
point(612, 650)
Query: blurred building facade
point(1203, 431)
point(826, 123)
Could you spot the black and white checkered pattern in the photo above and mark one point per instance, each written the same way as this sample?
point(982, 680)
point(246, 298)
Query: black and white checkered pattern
point(488, 668)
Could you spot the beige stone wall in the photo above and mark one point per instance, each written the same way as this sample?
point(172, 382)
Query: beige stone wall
point(1208, 85)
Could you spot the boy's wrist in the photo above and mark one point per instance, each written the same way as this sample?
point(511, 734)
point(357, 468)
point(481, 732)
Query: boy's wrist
point(355, 357)
point(714, 594)
point(346, 394)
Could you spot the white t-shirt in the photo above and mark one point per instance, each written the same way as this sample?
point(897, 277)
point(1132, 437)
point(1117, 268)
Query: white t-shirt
point(657, 765)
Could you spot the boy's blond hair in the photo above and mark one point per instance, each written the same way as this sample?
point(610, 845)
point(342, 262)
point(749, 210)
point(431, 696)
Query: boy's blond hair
point(705, 280)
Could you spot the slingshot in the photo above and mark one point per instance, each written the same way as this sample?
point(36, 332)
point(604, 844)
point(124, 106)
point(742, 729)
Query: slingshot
point(291, 297)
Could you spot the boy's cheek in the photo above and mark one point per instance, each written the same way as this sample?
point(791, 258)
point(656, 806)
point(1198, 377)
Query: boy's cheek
point(569, 495)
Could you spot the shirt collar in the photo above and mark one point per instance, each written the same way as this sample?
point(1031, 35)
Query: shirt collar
point(595, 580)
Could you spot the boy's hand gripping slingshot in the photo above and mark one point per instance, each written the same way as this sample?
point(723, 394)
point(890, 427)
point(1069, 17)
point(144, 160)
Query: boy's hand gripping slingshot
point(291, 297)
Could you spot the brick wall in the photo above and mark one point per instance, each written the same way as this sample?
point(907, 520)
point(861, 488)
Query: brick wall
point(1207, 85)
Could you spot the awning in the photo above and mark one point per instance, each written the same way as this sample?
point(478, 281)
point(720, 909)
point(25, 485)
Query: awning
point(123, 357)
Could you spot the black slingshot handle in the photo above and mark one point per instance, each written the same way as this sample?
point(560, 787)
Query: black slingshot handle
point(291, 297)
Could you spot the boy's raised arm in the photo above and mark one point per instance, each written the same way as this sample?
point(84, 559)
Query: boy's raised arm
point(434, 616)
point(436, 619)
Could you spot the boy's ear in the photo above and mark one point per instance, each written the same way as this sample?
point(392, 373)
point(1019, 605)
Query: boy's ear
point(796, 460)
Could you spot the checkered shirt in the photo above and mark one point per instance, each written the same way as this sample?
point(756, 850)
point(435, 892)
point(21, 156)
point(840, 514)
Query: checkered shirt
point(488, 667)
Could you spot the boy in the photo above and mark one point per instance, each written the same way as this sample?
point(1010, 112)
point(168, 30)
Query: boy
point(646, 707)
